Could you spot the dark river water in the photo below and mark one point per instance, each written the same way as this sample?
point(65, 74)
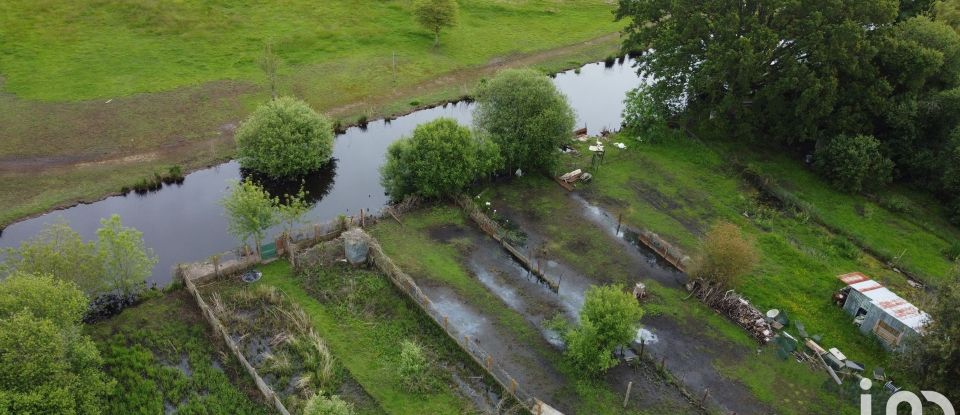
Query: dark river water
point(185, 223)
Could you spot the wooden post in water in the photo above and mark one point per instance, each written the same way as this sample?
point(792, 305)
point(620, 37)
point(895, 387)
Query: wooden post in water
point(663, 363)
point(626, 397)
point(706, 394)
point(619, 220)
point(643, 344)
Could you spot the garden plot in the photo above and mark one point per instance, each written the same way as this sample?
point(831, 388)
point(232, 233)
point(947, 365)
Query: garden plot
point(704, 350)
point(277, 337)
point(495, 302)
point(374, 330)
point(165, 359)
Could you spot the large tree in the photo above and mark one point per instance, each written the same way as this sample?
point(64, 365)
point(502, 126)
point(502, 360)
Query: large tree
point(608, 319)
point(526, 116)
point(767, 67)
point(46, 364)
point(284, 138)
point(435, 15)
point(438, 160)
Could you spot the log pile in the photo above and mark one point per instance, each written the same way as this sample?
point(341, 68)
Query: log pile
point(735, 307)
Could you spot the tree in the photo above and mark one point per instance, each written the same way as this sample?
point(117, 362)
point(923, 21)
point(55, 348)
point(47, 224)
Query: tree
point(323, 405)
point(934, 358)
point(438, 160)
point(46, 364)
point(434, 15)
point(58, 251)
point(948, 11)
point(854, 163)
point(269, 63)
point(528, 118)
point(250, 212)
point(290, 211)
point(608, 320)
point(789, 70)
point(127, 262)
point(726, 256)
point(643, 115)
point(284, 138)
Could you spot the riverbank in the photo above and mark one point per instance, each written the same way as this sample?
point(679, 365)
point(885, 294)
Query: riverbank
point(57, 154)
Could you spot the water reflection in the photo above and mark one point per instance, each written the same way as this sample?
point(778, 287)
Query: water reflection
point(184, 223)
point(316, 184)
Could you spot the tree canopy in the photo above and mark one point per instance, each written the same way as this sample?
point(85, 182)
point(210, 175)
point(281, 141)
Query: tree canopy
point(127, 262)
point(284, 138)
point(934, 358)
point(435, 15)
point(438, 160)
point(46, 364)
point(807, 71)
point(526, 116)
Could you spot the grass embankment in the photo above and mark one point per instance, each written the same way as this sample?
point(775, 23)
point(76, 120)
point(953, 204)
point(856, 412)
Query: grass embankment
point(411, 246)
point(364, 320)
point(88, 113)
point(573, 239)
point(904, 227)
point(164, 356)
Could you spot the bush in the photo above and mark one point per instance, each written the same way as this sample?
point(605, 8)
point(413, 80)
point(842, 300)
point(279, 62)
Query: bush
point(896, 203)
point(854, 163)
point(608, 319)
point(284, 138)
point(413, 366)
point(726, 256)
point(440, 159)
point(323, 405)
point(526, 116)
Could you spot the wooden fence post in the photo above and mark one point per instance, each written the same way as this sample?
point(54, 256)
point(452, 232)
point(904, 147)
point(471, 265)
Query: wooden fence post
point(626, 397)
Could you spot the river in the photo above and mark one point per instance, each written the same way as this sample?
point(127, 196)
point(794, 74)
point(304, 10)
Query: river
point(185, 223)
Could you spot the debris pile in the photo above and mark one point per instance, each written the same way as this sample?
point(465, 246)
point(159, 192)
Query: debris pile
point(735, 307)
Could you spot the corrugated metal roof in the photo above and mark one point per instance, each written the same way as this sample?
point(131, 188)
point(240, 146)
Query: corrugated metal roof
point(887, 300)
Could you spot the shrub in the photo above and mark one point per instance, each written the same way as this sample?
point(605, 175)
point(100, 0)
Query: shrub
point(953, 251)
point(324, 405)
point(284, 138)
point(438, 160)
point(896, 203)
point(526, 116)
point(413, 366)
point(854, 163)
point(726, 256)
point(608, 319)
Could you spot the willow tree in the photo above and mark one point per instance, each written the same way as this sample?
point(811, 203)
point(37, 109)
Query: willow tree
point(528, 118)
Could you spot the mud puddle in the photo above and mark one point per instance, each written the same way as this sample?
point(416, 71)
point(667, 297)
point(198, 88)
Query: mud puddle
point(686, 346)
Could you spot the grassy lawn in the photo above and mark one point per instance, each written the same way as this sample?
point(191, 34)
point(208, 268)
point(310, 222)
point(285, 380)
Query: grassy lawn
point(588, 249)
point(164, 356)
point(364, 320)
point(682, 187)
point(59, 50)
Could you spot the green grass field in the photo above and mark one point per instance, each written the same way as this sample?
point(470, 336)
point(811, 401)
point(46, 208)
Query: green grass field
point(164, 356)
point(100, 94)
point(63, 50)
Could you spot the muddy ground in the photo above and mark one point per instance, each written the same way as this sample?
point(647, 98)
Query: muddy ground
point(687, 345)
point(535, 362)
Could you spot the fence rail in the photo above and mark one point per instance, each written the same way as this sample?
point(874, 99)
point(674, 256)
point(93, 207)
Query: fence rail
point(407, 285)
